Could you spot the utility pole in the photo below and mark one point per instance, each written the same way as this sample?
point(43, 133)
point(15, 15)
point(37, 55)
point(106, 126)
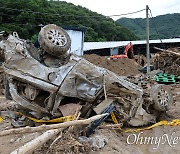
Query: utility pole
point(147, 39)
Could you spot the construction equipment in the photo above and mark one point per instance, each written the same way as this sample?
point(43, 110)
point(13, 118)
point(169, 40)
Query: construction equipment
point(128, 52)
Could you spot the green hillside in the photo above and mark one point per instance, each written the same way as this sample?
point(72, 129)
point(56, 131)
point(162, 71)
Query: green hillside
point(167, 26)
point(25, 16)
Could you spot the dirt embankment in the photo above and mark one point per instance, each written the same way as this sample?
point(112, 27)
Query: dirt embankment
point(123, 66)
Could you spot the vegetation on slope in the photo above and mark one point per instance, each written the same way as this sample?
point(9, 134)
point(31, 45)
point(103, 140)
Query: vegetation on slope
point(168, 26)
point(26, 16)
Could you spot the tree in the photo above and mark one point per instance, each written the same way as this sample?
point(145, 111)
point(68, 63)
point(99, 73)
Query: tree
point(25, 17)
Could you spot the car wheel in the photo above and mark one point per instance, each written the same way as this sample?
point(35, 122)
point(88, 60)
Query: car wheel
point(54, 40)
point(162, 97)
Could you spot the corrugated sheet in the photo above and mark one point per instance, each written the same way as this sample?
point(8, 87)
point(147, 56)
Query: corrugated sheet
point(104, 45)
point(76, 42)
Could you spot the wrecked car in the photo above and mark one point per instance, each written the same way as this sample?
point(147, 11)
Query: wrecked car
point(42, 80)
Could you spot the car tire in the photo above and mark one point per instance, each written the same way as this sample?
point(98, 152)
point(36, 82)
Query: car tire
point(54, 40)
point(162, 97)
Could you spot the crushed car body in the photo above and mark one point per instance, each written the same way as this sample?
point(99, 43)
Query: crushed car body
point(41, 80)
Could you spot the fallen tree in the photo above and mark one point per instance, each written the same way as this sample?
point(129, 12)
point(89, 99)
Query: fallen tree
point(178, 54)
point(40, 140)
point(49, 127)
point(37, 142)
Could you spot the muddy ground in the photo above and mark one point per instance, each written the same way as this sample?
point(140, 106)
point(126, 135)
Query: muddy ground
point(167, 137)
point(117, 141)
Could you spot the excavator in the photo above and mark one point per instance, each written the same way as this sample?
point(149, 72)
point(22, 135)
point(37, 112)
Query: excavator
point(128, 52)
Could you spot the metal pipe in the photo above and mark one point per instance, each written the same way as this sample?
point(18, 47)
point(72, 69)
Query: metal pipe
point(147, 39)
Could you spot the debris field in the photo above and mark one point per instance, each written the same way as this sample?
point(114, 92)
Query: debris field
point(55, 102)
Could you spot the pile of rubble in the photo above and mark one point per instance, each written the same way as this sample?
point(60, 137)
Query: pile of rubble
point(49, 85)
point(168, 61)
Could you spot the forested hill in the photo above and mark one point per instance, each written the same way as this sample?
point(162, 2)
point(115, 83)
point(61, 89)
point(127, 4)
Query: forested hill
point(168, 26)
point(25, 16)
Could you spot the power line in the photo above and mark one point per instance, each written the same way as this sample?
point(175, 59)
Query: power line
point(28, 11)
point(21, 24)
point(42, 18)
point(156, 28)
point(60, 15)
point(55, 16)
point(124, 14)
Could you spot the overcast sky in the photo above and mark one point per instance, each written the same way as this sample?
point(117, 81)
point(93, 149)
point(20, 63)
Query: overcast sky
point(116, 7)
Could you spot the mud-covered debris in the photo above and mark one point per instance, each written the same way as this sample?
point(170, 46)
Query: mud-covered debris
point(96, 142)
point(43, 80)
point(168, 62)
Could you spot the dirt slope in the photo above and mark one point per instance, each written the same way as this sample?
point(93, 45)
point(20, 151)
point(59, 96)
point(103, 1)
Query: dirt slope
point(123, 66)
